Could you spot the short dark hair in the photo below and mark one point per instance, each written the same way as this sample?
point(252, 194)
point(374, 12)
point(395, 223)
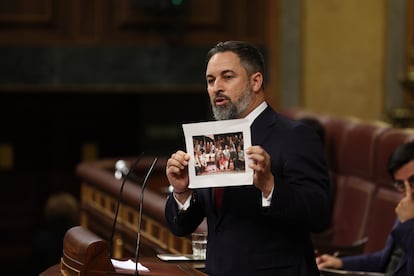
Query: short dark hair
point(403, 154)
point(250, 56)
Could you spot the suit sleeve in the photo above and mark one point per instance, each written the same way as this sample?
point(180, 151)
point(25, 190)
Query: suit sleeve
point(182, 223)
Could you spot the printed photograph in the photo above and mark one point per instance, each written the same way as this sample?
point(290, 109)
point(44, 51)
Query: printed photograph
point(219, 153)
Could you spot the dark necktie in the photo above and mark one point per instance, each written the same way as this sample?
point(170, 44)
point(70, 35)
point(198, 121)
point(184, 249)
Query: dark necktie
point(394, 260)
point(218, 197)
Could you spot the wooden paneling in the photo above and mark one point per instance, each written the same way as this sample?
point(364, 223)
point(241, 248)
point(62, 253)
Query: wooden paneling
point(97, 215)
point(195, 22)
point(25, 11)
point(131, 22)
point(27, 21)
point(59, 57)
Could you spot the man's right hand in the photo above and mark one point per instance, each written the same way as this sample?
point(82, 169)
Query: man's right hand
point(177, 171)
point(405, 208)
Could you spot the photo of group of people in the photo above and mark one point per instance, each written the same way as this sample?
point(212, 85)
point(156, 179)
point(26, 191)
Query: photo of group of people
point(219, 153)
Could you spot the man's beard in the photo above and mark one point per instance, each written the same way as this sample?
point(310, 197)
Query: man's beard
point(232, 110)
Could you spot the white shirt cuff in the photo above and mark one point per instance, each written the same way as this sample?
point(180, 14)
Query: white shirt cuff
point(181, 206)
point(267, 200)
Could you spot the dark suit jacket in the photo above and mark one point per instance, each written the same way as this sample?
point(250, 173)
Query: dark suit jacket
point(401, 235)
point(247, 239)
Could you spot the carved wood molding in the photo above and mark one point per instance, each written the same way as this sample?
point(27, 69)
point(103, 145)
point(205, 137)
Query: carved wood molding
point(130, 22)
point(100, 207)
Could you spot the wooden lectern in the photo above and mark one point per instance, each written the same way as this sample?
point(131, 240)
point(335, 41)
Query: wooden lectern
point(84, 253)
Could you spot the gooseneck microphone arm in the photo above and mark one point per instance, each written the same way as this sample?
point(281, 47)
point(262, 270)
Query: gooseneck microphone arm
point(141, 202)
point(120, 199)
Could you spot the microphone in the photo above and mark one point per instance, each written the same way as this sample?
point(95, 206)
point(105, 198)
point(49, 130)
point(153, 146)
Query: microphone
point(141, 202)
point(121, 169)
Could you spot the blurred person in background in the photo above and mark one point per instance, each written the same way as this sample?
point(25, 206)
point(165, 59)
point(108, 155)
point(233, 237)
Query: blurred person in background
point(61, 212)
point(397, 257)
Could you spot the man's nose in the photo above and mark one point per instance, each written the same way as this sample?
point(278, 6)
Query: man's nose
point(218, 86)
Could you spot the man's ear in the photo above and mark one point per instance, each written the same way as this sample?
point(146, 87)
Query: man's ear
point(256, 81)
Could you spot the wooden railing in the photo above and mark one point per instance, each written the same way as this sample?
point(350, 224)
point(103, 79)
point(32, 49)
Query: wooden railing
point(99, 198)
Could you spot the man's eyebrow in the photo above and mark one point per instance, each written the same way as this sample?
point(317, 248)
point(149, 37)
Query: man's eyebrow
point(221, 73)
point(227, 71)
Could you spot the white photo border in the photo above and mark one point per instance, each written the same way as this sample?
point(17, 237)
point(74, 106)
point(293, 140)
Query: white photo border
point(217, 128)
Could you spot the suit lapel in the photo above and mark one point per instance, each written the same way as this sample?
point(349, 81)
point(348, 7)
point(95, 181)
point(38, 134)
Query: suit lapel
point(259, 126)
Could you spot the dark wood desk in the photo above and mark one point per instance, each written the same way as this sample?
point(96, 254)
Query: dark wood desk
point(156, 267)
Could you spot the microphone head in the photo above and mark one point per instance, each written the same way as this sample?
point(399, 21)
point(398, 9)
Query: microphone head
point(118, 175)
point(120, 164)
point(121, 169)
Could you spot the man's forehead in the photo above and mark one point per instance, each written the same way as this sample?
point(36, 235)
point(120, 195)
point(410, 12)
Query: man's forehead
point(224, 59)
point(405, 171)
point(222, 63)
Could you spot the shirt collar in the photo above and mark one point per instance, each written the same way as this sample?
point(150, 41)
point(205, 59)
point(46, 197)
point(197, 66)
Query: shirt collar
point(256, 112)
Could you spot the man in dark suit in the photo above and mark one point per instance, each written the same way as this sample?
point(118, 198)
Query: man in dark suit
point(397, 257)
point(264, 228)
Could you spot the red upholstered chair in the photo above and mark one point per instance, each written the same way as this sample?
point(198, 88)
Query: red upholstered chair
point(347, 236)
point(381, 218)
point(334, 134)
point(358, 149)
point(357, 153)
point(382, 215)
point(352, 155)
point(351, 210)
point(356, 186)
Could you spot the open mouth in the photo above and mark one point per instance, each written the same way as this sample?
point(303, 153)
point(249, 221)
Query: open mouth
point(219, 101)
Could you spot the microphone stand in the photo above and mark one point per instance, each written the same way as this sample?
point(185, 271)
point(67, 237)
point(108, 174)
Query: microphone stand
point(119, 201)
point(140, 214)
